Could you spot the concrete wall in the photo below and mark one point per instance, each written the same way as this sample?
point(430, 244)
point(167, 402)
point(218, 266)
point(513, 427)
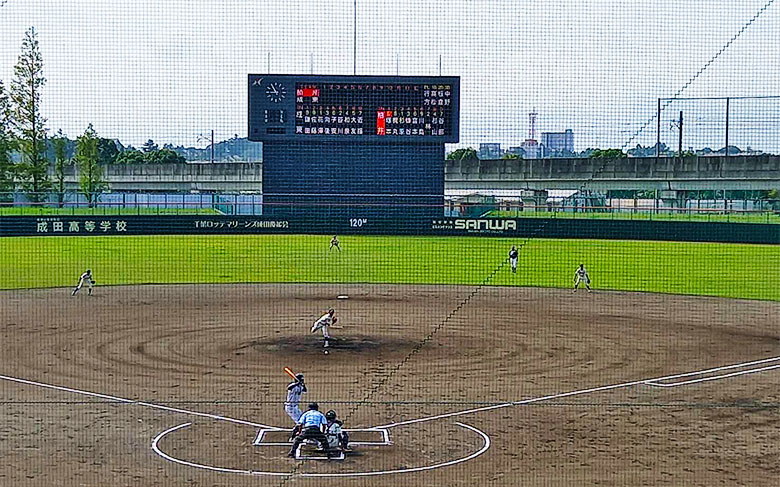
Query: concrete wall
point(695, 173)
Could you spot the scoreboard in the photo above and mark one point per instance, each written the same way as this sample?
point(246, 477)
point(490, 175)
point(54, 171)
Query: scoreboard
point(325, 108)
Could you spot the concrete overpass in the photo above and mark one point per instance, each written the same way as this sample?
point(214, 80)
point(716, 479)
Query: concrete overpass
point(665, 174)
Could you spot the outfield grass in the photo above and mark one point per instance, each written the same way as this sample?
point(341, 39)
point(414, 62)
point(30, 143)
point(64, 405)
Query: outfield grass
point(729, 270)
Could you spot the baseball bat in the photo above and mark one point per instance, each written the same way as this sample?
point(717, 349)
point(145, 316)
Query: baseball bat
point(288, 371)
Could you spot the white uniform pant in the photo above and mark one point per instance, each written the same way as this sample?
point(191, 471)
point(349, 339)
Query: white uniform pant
point(583, 280)
point(81, 284)
point(293, 411)
point(325, 333)
point(513, 262)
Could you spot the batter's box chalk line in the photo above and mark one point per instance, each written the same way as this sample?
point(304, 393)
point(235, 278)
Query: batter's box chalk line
point(382, 434)
point(156, 447)
point(688, 378)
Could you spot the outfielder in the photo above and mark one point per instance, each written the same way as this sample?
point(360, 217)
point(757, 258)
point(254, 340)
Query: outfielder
point(513, 258)
point(334, 242)
point(325, 322)
point(581, 276)
point(337, 437)
point(311, 426)
point(87, 279)
point(294, 391)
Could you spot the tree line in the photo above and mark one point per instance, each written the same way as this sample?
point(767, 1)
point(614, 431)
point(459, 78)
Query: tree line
point(28, 154)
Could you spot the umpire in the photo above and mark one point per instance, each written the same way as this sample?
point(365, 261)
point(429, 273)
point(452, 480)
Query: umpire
point(311, 425)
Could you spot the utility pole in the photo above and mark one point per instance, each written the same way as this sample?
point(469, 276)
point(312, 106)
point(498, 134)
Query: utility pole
point(727, 129)
point(679, 144)
point(212, 146)
point(269, 63)
point(354, 40)
point(658, 135)
point(439, 64)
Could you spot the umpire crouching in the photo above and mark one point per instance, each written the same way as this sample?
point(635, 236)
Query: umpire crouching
point(311, 425)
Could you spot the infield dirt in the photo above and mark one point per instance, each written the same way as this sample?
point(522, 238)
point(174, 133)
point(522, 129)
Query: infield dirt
point(405, 352)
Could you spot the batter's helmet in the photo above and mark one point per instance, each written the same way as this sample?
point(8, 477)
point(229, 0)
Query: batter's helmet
point(299, 376)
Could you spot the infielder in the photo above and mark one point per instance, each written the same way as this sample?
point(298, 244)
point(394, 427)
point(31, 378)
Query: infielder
point(325, 322)
point(311, 426)
point(294, 391)
point(337, 437)
point(513, 258)
point(581, 276)
point(334, 242)
point(87, 279)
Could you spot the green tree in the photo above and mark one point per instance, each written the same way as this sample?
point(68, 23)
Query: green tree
point(509, 155)
point(107, 151)
point(6, 146)
point(88, 161)
point(607, 154)
point(130, 157)
point(467, 154)
point(149, 146)
point(163, 156)
point(59, 144)
point(29, 124)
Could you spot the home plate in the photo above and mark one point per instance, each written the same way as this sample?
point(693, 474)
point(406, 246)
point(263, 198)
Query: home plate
point(342, 296)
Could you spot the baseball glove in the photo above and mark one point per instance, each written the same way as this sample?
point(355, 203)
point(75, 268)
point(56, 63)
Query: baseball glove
point(93, 282)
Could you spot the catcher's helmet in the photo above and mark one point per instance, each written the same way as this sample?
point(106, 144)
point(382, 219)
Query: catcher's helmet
point(314, 406)
point(330, 415)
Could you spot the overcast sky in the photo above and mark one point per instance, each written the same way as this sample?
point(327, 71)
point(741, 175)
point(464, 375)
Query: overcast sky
point(172, 69)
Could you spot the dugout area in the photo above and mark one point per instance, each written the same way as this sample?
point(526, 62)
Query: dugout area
point(218, 351)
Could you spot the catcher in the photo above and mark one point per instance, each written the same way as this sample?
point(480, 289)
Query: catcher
point(581, 276)
point(85, 278)
point(337, 437)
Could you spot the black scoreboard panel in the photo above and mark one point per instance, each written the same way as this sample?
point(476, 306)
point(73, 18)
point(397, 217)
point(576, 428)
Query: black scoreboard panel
point(314, 108)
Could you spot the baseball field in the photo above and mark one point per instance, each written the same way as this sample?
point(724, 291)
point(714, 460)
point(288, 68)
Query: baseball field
point(449, 369)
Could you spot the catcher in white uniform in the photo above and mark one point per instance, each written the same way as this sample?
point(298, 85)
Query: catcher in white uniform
point(581, 276)
point(325, 322)
point(87, 279)
point(337, 437)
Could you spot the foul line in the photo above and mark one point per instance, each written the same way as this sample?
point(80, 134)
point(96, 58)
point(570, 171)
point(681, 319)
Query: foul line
point(592, 390)
point(133, 402)
point(156, 447)
point(715, 377)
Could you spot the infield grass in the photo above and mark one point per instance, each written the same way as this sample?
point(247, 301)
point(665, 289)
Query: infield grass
point(727, 270)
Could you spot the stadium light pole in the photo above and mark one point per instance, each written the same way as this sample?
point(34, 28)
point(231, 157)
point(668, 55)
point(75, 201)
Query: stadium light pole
point(354, 39)
point(202, 137)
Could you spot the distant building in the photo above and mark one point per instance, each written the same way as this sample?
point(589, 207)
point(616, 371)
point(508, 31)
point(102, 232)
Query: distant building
point(518, 151)
point(531, 149)
point(558, 141)
point(489, 151)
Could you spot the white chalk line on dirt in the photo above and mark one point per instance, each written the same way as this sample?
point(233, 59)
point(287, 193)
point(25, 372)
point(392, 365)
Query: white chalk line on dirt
point(715, 377)
point(485, 446)
point(651, 382)
point(133, 402)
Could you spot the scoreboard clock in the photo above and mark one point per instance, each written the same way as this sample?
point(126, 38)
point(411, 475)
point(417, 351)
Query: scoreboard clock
point(315, 108)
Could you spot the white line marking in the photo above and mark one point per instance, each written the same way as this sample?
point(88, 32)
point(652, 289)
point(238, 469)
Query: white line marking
point(483, 449)
point(133, 402)
point(579, 392)
point(156, 448)
point(715, 377)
